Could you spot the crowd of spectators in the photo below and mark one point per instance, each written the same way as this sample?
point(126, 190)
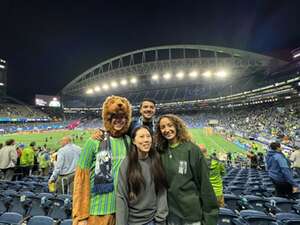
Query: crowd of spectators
point(8, 110)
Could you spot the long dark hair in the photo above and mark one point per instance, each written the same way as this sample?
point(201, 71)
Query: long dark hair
point(134, 171)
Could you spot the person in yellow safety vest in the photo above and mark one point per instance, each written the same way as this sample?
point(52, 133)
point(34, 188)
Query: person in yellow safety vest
point(27, 159)
point(44, 162)
point(216, 172)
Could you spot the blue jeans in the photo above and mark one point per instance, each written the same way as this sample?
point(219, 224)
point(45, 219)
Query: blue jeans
point(150, 223)
point(175, 220)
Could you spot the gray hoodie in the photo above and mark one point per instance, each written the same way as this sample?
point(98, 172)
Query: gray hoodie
point(147, 207)
point(8, 156)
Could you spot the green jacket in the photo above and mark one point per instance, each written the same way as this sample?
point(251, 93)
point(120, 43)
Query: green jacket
point(216, 171)
point(27, 157)
point(190, 194)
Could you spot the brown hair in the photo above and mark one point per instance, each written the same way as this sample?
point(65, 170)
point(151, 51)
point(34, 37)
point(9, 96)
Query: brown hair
point(10, 142)
point(182, 132)
point(134, 170)
point(275, 145)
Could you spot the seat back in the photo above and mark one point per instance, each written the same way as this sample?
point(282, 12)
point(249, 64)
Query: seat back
point(254, 217)
point(288, 218)
point(226, 217)
point(11, 218)
point(40, 220)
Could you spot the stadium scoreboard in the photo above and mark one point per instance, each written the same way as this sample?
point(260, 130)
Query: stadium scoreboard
point(47, 101)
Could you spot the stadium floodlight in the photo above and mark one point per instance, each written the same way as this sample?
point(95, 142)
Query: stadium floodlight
point(97, 89)
point(221, 74)
point(105, 87)
point(1, 84)
point(180, 75)
point(207, 73)
point(123, 82)
point(133, 80)
point(2, 66)
point(167, 76)
point(296, 55)
point(193, 74)
point(114, 84)
point(89, 91)
point(155, 76)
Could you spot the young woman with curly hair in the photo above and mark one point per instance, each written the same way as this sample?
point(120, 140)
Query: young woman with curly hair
point(191, 198)
point(141, 196)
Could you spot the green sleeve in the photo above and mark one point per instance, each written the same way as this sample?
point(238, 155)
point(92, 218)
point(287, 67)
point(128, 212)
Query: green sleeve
point(87, 154)
point(208, 199)
point(222, 169)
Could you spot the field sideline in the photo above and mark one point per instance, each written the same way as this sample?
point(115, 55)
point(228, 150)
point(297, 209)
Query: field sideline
point(213, 142)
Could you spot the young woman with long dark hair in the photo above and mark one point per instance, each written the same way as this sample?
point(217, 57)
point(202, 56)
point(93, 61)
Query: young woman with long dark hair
point(141, 193)
point(191, 198)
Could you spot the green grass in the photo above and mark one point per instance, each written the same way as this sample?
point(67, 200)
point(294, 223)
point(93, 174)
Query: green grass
point(40, 138)
point(213, 142)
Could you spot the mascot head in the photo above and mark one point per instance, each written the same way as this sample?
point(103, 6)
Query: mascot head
point(116, 115)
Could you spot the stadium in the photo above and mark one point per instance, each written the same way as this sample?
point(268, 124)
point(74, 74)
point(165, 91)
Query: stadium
point(234, 102)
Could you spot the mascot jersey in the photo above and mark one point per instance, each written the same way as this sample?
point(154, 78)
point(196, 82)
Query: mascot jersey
point(86, 202)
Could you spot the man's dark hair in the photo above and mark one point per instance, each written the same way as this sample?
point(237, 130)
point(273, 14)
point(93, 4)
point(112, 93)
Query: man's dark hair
point(275, 145)
point(147, 100)
point(10, 142)
point(32, 144)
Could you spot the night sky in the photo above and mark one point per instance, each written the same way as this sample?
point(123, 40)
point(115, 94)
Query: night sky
point(49, 43)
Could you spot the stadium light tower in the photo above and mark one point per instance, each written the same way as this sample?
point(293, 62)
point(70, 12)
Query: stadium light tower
point(155, 76)
point(167, 76)
point(114, 84)
point(105, 87)
point(97, 89)
point(90, 91)
point(180, 75)
point(193, 74)
point(123, 82)
point(133, 80)
point(221, 74)
point(207, 73)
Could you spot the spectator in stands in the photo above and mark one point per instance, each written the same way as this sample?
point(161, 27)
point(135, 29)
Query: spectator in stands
point(18, 170)
point(253, 159)
point(64, 170)
point(216, 172)
point(8, 156)
point(141, 196)
point(146, 118)
point(44, 162)
point(279, 170)
point(94, 199)
point(147, 111)
point(260, 161)
point(229, 159)
point(295, 158)
point(35, 168)
point(27, 159)
point(191, 198)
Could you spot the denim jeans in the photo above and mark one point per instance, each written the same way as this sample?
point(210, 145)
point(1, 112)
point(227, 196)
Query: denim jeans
point(175, 220)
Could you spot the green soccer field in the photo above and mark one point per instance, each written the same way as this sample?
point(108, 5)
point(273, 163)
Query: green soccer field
point(52, 137)
point(212, 142)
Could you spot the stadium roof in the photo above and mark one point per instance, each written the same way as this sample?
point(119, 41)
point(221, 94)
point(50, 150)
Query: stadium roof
point(142, 64)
